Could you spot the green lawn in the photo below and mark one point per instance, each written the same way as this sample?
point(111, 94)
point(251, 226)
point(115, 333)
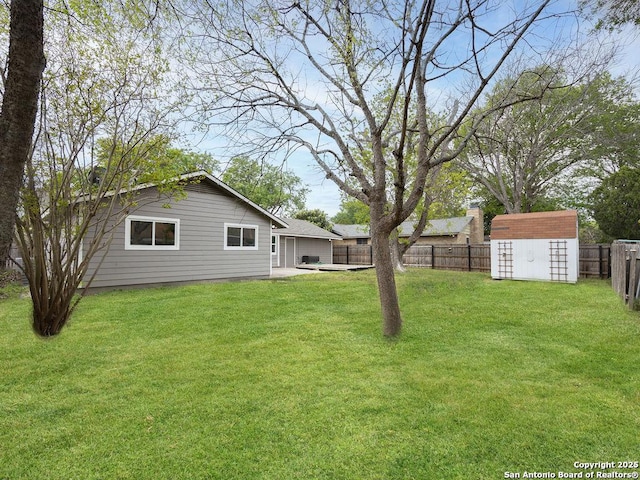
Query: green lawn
point(293, 379)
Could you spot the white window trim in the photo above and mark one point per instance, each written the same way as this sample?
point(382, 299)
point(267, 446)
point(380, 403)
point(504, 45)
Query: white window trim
point(137, 218)
point(240, 225)
point(277, 244)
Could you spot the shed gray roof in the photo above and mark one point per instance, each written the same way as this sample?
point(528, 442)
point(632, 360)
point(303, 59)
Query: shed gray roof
point(303, 228)
point(434, 228)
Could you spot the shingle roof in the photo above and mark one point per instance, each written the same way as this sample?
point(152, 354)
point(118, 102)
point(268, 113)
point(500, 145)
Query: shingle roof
point(537, 225)
point(434, 228)
point(203, 176)
point(351, 231)
point(303, 228)
point(438, 227)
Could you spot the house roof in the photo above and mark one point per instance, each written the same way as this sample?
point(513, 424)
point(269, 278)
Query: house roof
point(203, 176)
point(538, 225)
point(438, 227)
point(303, 228)
point(351, 231)
point(434, 228)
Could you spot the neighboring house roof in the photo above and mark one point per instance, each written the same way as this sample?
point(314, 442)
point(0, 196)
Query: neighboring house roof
point(537, 225)
point(437, 227)
point(434, 228)
point(303, 228)
point(351, 231)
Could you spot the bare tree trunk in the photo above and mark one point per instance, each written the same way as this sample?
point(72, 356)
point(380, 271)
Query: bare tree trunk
point(397, 252)
point(19, 108)
point(391, 318)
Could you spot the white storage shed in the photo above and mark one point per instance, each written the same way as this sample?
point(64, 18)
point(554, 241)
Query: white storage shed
point(535, 246)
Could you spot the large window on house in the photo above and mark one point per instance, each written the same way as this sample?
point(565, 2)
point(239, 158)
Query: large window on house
point(151, 233)
point(240, 237)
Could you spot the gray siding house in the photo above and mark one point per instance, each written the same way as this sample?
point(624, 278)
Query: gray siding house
point(301, 242)
point(214, 233)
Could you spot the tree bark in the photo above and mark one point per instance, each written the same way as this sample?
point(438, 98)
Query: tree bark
point(391, 318)
point(19, 109)
point(397, 252)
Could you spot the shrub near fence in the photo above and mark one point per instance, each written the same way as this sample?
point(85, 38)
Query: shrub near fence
point(594, 259)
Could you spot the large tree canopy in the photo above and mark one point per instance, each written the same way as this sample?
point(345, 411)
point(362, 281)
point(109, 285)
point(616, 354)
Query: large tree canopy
point(616, 204)
point(155, 159)
point(274, 189)
point(315, 216)
point(552, 136)
point(352, 212)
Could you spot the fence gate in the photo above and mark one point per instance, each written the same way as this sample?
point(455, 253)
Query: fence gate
point(505, 259)
point(558, 260)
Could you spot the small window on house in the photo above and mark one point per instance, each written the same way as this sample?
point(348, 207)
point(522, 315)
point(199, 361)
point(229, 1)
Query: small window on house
point(274, 244)
point(240, 237)
point(148, 233)
point(362, 241)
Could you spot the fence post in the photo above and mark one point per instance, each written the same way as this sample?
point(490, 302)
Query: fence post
point(600, 261)
point(469, 255)
point(609, 261)
point(433, 257)
point(631, 294)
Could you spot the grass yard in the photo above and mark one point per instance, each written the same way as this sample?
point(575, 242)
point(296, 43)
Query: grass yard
point(292, 379)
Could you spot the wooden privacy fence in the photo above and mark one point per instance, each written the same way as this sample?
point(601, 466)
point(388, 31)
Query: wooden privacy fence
point(594, 259)
point(625, 270)
point(352, 254)
point(470, 258)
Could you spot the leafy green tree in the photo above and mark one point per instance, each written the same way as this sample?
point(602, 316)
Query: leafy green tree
point(611, 136)
point(550, 135)
point(449, 191)
point(274, 189)
point(155, 159)
point(316, 216)
point(613, 14)
point(352, 212)
point(100, 105)
point(616, 204)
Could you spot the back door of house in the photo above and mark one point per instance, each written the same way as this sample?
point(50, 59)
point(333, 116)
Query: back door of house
point(290, 253)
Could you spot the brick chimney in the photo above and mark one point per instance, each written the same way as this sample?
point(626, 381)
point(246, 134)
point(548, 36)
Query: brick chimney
point(477, 224)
